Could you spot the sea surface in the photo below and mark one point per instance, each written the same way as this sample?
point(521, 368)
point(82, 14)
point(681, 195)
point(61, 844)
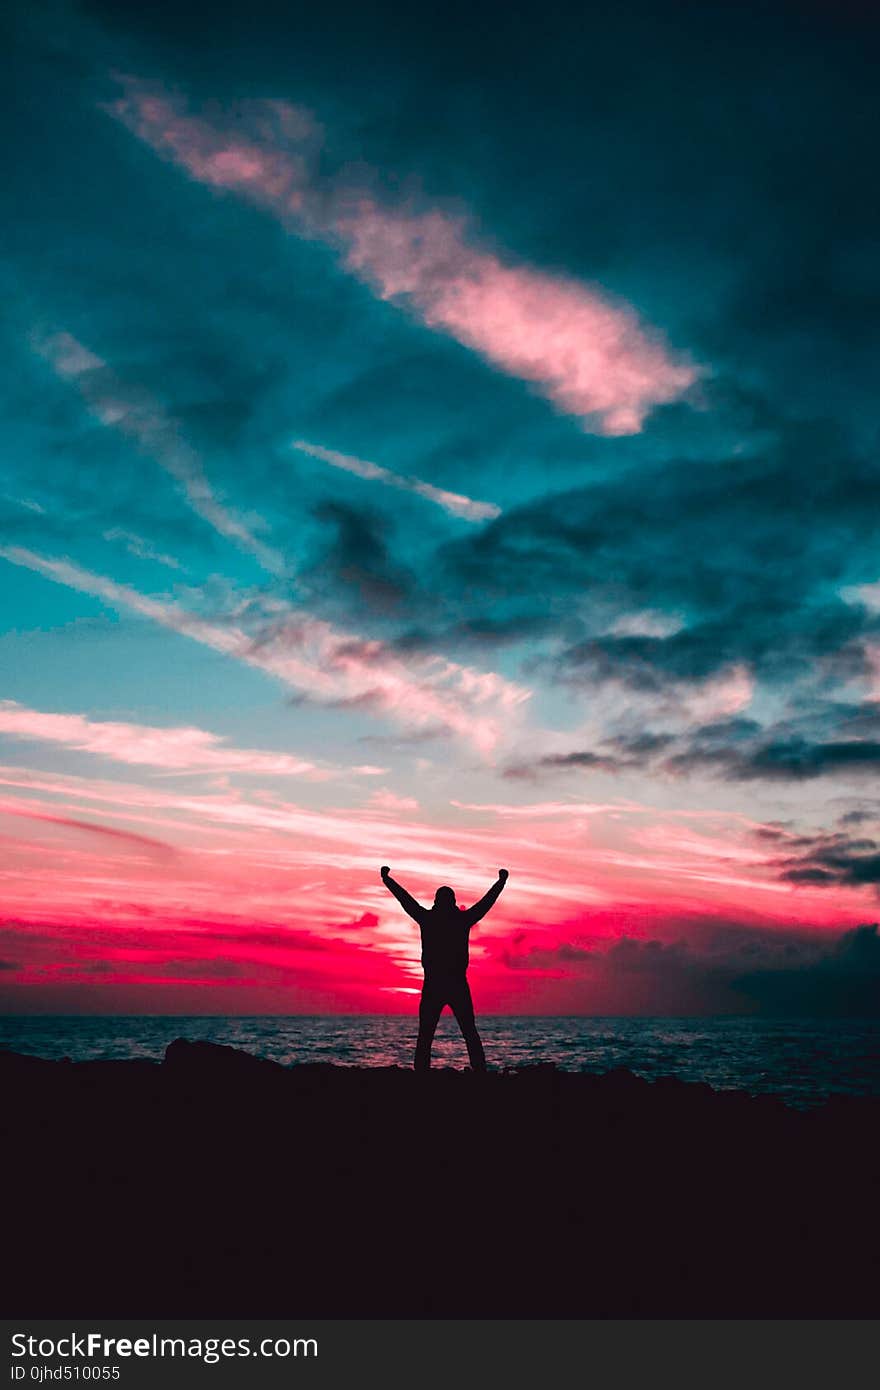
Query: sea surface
point(802, 1060)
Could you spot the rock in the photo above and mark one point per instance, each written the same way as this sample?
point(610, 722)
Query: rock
point(219, 1184)
point(212, 1059)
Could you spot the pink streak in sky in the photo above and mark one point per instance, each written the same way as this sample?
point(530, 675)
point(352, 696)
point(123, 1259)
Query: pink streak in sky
point(127, 837)
point(179, 749)
point(586, 352)
point(289, 896)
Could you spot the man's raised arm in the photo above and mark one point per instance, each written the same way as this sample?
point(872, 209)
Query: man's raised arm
point(406, 900)
point(480, 909)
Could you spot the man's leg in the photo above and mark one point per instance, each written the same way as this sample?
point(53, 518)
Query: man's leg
point(463, 1007)
point(430, 1009)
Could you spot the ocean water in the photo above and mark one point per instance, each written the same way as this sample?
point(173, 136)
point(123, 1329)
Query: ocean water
point(802, 1060)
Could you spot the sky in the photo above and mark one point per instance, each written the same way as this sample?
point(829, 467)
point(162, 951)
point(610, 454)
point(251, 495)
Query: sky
point(442, 436)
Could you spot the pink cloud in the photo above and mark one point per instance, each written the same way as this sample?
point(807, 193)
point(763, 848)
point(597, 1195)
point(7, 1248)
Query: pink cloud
point(587, 353)
point(385, 800)
point(221, 960)
point(719, 697)
point(540, 810)
point(302, 863)
point(452, 502)
point(180, 749)
point(72, 823)
point(288, 928)
point(422, 691)
point(287, 898)
point(590, 356)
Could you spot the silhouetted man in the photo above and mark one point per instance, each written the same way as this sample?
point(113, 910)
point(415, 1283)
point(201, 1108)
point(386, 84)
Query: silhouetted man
point(445, 928)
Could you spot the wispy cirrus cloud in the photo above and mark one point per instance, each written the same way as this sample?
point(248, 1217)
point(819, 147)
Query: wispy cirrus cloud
point(143, 549)
point(137, 415)
point(127, 837)
point(609, 869)
point(452, 502)
point(540, 810)
point(324, 663)
point(627, 731)
point(587, 353)
point(181, 749)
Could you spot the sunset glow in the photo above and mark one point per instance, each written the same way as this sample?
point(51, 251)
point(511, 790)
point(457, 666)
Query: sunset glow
point(394, 477)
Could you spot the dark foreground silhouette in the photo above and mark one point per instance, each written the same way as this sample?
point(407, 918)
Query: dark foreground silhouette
point(218, 1184)
point(445, 929)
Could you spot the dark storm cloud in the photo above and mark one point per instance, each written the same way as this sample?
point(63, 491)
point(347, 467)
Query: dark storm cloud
point(732, 970)
point(775, 636)
point(623, 752)
point(790, 759)
point(845, 981)
point(831, 860)
point(736, 749)
point(582, 760)
point(357, 559)
point(481, 632)
point(748, 550)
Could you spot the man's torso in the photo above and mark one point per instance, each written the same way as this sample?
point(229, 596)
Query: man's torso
point(445, 944)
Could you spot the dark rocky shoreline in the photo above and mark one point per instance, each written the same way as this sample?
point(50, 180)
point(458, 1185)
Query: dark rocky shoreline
point(217, 1183)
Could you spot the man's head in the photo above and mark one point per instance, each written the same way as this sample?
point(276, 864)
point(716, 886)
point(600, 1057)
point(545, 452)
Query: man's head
point(444, 897)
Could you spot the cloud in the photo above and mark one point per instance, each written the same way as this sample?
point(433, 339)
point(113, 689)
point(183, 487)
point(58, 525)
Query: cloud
point(452, 502)
point(336, 962)
point(424, 691)
point(386, 800)
point(358, 558)
point(843, 981)
point(559, 762)
point(731, 546)
point(651, 722)
point(72, 823)
point(480, 631)
point(540, 809)
point(726, 969)
point(587, 353)
point(138, 416)
point(829, 859)
point(784, 759)
point(324, 663)
point(590, 356)
point(173, 749)
point(732, 749)
point(143, 549)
